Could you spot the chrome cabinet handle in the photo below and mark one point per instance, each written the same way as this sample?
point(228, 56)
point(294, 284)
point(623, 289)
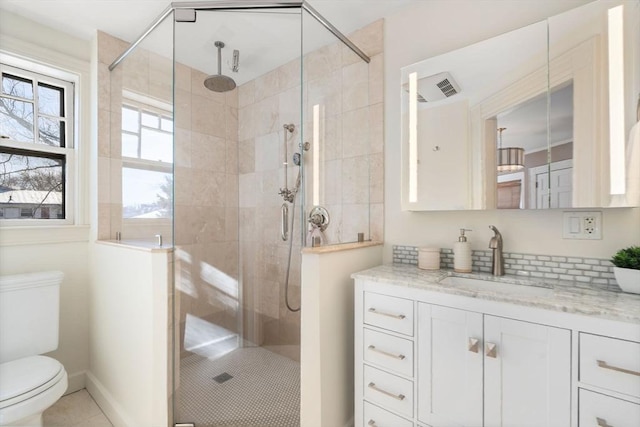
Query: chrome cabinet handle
point(491, 350)
point(605, 365)
point(372, 423)
point(382, 313)
point(395, 356)
point(602, 422)
point(372, 386)
point(473, 345)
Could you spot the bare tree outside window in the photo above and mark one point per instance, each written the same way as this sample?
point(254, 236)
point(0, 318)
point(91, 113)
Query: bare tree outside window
point(32, 177)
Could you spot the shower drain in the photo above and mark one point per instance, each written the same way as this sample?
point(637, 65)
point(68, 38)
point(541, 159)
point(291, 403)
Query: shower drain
point(223, 377)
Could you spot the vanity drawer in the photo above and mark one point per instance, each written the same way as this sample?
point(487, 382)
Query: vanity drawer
point(388, 352)
point(610, 363)
point(605, 411)
point(378, 417)
point(394, 314)
point(388, 391)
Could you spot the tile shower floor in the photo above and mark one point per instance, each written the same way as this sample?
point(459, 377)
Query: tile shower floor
point(263, 391)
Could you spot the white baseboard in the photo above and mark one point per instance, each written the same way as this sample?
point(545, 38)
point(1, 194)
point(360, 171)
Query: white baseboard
point(107, 403)
point(77, 381)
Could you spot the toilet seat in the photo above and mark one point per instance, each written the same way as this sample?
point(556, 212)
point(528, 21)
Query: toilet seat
point(27, 377)
point(29, 385)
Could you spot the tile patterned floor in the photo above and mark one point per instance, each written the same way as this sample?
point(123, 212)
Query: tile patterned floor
point(75, 410)
point(264, 390)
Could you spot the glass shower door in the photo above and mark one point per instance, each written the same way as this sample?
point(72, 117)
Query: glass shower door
point(237, 345)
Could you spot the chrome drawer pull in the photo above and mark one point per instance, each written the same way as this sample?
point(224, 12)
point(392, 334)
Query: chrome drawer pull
point(381, 313)
point(395, 396)
point(372, 423)
point(602, 422)
point(605, 365)
point(395, 356)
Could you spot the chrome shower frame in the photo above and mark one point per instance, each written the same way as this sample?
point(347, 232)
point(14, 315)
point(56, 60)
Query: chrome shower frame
point(239, 5)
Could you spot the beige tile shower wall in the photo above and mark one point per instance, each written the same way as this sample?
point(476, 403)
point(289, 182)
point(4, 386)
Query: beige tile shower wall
point(350, 93)
point(142, 73)
point(265, 104)
point(108, 49)
point(205, 178)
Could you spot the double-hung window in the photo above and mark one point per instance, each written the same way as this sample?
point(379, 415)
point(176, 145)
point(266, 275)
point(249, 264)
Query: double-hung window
point(147, 159)
point(36, 147)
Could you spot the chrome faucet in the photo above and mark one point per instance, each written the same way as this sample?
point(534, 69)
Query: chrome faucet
point(496, 244)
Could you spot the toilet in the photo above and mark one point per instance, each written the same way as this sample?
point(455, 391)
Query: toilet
point(29, 322)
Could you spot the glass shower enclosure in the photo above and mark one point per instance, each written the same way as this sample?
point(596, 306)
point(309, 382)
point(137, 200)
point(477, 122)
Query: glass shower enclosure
point(228, 130)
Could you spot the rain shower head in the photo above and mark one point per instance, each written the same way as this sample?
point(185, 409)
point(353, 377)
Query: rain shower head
point(218, 82)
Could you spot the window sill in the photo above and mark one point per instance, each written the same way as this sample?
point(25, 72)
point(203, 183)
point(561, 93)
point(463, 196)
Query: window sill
point(35, 235)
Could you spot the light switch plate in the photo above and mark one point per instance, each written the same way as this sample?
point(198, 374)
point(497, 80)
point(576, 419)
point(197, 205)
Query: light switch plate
point(582, 225)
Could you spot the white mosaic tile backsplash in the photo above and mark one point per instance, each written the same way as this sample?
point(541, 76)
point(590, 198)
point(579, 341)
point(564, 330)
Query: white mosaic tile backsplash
point(598, 272)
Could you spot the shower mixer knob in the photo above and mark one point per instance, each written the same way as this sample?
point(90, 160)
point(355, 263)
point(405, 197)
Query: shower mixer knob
point(319, 218)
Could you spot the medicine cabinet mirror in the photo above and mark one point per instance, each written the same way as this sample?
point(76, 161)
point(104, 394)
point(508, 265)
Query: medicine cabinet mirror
point(537, 118)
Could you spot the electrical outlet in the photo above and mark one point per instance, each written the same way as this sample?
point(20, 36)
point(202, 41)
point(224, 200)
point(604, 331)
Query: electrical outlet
point(582, 225)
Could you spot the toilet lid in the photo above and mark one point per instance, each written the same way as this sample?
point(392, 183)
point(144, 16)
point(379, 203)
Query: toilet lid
point(26, 377)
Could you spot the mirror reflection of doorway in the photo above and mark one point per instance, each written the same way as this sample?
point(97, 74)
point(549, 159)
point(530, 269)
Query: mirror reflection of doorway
point(542, 185)
point(551, 186)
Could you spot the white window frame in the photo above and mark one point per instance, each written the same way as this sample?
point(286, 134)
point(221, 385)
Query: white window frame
point(49, 74)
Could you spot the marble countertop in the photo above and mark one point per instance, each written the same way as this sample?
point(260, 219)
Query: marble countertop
point(559, 295)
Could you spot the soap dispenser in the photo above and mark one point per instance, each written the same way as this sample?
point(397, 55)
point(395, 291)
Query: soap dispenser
point(462, 254)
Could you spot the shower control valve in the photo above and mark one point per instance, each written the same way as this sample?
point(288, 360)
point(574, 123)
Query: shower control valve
point(319, 218)
point(287, 194)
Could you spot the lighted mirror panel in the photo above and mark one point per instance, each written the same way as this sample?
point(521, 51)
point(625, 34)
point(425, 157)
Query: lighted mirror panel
point(541, 120)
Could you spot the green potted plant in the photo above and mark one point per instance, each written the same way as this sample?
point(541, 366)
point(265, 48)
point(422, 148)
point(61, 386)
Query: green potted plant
point(627, 269)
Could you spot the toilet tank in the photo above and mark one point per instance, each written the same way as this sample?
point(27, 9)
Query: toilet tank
point(29, 314)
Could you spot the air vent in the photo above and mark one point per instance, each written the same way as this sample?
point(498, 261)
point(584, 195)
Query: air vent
point(436, 87)
point(447, 88)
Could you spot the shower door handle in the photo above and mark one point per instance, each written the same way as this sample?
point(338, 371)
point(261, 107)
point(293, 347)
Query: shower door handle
point(284, 222)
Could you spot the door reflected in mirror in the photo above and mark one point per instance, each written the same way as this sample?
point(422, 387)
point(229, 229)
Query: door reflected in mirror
point(545, 179)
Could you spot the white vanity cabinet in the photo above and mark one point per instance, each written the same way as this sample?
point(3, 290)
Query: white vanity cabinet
point(469, 364)
point(431, 355)
point(610, 382)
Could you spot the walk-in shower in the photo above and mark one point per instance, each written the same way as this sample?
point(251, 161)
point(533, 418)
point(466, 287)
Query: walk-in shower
point(236, 173)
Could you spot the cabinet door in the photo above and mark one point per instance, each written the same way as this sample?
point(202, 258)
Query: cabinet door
point(449, 366)
point(527, 374)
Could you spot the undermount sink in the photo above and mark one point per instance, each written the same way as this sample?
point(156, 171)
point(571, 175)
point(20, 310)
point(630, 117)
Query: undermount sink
point(490, 285)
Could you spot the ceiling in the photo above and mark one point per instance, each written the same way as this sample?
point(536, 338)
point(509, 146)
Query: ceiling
point(265, 39)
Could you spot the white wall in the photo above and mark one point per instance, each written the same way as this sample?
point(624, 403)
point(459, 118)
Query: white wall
point(129, 334)
point(64, 248)
point(438, 26)
point(71, 259)
point(326, 361)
